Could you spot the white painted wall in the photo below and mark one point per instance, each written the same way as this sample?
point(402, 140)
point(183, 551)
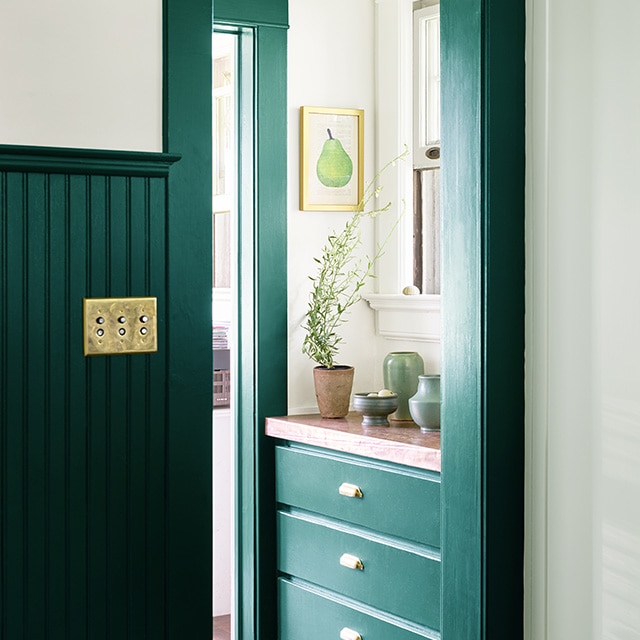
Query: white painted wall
point(583, 404)
point(223, 512)
point(331, 64)
point(81, 74)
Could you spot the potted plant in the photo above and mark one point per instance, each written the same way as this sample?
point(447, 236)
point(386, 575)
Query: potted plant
point(336, 288)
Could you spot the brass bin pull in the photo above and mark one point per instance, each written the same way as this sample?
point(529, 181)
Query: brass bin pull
point(350, 490)
point(349, 634)
point(351, 562)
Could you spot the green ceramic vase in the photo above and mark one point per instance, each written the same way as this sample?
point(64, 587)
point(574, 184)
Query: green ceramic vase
point(424, 406)
point(400, 372)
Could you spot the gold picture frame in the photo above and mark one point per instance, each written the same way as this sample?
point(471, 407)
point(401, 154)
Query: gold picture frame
point(331, 159)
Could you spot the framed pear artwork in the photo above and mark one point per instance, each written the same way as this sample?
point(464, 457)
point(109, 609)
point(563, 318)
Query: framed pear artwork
point(331, 158)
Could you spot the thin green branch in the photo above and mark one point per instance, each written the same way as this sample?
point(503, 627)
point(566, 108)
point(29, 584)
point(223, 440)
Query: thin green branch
point(337, 284)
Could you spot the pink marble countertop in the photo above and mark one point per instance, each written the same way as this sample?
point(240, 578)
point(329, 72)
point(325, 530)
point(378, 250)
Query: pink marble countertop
point(404, 444)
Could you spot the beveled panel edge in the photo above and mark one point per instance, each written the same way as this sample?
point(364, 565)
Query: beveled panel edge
point(405, 445)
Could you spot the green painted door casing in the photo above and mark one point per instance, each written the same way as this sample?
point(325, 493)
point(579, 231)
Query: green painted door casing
point(187, 130)
point(483, 318)
point(262, 297)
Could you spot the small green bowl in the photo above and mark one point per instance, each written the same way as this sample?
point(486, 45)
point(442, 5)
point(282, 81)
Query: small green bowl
point(375, 409)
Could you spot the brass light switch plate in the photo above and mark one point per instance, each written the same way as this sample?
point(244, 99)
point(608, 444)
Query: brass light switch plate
point(114, 326)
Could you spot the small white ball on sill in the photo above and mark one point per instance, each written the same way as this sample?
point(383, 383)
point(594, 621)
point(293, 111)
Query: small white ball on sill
point(383, 393)
point(411, 290)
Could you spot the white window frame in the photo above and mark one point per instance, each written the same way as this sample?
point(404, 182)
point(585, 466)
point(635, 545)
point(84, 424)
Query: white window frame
point(426, 107)
point(395, 312)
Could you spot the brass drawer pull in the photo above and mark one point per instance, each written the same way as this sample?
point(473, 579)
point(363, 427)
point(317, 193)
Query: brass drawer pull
point(351, 562)
point(350, 490)
point(349, 634)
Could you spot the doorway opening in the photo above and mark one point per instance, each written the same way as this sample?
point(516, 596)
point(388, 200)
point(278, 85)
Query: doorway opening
point(249, 178)
point(224, 324)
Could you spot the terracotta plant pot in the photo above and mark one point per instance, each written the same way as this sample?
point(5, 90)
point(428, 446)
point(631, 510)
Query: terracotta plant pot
point(333, 390)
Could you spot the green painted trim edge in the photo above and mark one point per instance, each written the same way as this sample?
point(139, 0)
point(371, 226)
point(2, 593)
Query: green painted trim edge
point(462, 318)
point(263, 338)
point(271, 302)
point(187, 130)
point(252, 13)
point(483, 319)
point(86, 161)
point(504, 304)
point(242, 24)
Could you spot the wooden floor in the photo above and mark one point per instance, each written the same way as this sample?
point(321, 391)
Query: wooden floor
point(222, 628)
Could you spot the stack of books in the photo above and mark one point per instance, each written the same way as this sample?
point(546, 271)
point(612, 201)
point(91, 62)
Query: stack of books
point(220, 336)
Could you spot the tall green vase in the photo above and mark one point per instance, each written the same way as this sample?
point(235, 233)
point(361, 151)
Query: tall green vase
point(400, 371)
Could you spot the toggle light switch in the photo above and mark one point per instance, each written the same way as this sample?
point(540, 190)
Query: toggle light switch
point(115, 326)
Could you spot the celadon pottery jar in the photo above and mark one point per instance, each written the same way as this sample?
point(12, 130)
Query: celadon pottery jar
point(400, 372)
point(424, 406)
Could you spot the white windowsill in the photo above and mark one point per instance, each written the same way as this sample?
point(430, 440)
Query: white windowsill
point(402, 317)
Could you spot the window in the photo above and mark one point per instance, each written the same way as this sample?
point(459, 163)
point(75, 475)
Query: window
point(415, 317)
point(426, 87)
point(224, 184)
point(426, 148)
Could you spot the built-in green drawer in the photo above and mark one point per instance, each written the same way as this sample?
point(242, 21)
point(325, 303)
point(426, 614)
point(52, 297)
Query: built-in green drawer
point(399, 501)
point(400, 578)
point(308, 614)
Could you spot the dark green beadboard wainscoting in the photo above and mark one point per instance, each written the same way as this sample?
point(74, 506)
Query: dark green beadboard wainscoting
point(85, 474)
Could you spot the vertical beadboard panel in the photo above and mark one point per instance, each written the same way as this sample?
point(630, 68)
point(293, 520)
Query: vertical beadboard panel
point(56, 356)
point(83, 475)
point(3, 389)
point(14, 587)
point(76, 201)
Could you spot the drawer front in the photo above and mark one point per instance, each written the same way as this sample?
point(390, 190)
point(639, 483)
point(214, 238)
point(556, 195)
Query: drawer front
point(400, 503)
point(402, 581)
point(308, 615)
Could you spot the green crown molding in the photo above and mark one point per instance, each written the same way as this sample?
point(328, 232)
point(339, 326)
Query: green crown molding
point(85, 161)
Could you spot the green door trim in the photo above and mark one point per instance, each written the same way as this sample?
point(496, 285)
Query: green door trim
point(262, 303)
point(187, 131)
point(252, 13)
point(483, 319)
point(483, 288)
point(270, 299)
point(262, 372)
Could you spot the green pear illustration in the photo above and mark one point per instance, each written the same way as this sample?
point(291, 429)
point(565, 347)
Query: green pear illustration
point(334, 167)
